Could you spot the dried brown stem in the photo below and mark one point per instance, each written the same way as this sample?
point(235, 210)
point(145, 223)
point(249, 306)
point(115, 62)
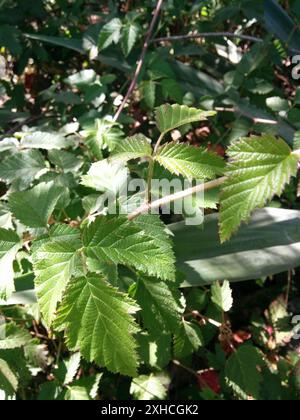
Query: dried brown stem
point(141, 60)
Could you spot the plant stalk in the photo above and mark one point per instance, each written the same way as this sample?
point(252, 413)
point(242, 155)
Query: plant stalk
point(145, 208)
point(141, 60)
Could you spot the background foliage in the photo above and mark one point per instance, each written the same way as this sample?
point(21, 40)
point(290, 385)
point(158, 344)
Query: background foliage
point(65, 67)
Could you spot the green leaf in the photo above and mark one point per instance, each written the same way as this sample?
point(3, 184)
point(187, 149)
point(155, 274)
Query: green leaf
point(103, 134)
point(77, 393)
point(153, 227)
point(12, 336)
point(152, 387)
point(34, 207)
point(115, 239)
point(191, 162)
point(5, 217)
point(110, 33)
point(43, 140)
point(172, 90)
point(277, 104)
point(55, 262)
point(149, 92)
point(36, 356)
point(155, 349)
point(68, 369)
point(8, 380)
point(72, 44)
point(269, 245)
point(13, 371)
point(66, 161)
point(295, 377)
point(98, 322)
point(130, 33)
point(9, 245)
point(81, 79)
point(222, 295)
point(188, 340)
point(169, 117)
point(296, 143)
point(85, 388)
point(161, 306)
point(280, 320)
point(242, 374)
point(106, 176)
point(49, 391)
point(9, 143)
point(9, 38)
point(24, 166)
point(260, 168)
point(134, 147)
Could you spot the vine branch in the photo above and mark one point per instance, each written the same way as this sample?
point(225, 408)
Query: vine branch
point(141, 60)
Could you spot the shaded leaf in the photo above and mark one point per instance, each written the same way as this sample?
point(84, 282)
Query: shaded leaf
point(34, 207)
point(242, 374)
point(161, 306)
point(188, 340)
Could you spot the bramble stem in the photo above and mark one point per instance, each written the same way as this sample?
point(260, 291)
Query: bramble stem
point(141, 60)
point(145, 208)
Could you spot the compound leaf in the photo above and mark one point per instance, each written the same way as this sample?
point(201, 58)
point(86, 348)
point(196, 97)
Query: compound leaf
point(115, 239)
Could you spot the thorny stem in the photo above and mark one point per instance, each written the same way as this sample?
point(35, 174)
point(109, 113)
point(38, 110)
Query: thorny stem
point(141, 60)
